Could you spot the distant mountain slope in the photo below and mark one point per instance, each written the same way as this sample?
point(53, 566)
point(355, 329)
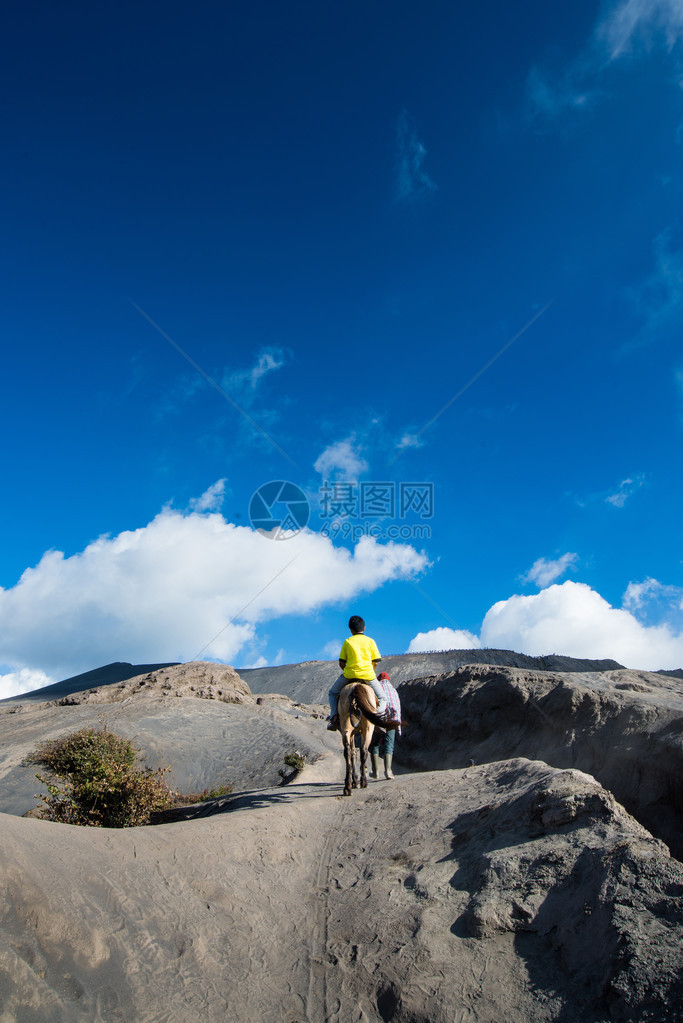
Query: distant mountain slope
point(309, 682)
point(118, 671)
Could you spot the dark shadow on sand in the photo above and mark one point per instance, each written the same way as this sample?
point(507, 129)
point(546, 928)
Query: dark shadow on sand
point(254, 799)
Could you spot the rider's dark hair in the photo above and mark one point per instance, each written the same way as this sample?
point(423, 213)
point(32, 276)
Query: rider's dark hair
point(356, 623)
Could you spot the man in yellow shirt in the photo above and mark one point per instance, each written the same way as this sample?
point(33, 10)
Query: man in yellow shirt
point(357, 659)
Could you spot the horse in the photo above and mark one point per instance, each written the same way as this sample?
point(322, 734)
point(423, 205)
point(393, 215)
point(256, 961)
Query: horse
point(357, 716)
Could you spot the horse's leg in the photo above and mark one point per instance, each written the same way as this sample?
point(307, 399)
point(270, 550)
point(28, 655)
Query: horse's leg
point(352, 747)
point(348, 755)
point(367, 729)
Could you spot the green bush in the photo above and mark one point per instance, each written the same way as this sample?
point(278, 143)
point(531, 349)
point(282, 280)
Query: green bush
point(101, 787)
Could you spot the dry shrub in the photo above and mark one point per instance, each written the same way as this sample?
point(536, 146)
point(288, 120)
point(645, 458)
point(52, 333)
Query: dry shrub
point(101, 786)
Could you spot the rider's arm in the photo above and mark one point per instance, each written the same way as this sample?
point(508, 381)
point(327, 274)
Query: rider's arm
point(342, 664)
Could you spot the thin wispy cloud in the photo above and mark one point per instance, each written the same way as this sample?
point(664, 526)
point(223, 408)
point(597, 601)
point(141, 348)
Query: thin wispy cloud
point(545, 570)
point(659, 300)
point(412, 180)
point(635, 23)
point(221, 390)
point(409, 440)
point(626, 489)
point(547, 98)
point(624, 30)
point(244, 382)
point(678, 376)
point(413, 440)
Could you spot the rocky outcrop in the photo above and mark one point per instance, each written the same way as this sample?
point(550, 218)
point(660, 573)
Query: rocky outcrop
point(117, 671)
point(203, 680)
point(623, 727)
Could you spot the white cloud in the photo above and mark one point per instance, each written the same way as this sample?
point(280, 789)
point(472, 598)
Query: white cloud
point(626, 489)
point(341, 460)
point(637, 593)
point(409, 440)
point(245, 381)
point(443, 639)
point(574, 619)
point(260, 662)
point(635, 22)
point(211, 499)
point(331, 650)
point(544, 571)
point(628, 26)
point(412, 181)
point(165, 592)
point(23, 681)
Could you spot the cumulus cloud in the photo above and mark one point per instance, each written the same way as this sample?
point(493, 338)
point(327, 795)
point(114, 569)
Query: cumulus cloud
point(23, 681)
point(544, 570)
point(341, 460)
point(183, 585)
point(443, 639)
point(637, 593)
point(412, 181)
point(571, 618)
point(211, 499)
point(626, 489)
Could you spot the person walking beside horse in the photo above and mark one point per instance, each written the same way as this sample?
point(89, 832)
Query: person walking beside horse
point(382, 744)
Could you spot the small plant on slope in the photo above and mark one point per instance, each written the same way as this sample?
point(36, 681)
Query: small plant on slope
point(101, 786)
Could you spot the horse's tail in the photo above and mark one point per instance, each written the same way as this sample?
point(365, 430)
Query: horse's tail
point(360, 693)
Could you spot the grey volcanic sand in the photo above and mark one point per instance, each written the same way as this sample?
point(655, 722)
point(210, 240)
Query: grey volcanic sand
point(512, 892)
point(506, 892)
point(199, 718)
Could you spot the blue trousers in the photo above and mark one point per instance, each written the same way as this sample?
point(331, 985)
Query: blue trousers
point(343, 681)
point(383, 742)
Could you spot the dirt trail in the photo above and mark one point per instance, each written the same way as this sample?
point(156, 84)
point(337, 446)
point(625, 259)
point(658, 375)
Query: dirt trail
point(436, 897)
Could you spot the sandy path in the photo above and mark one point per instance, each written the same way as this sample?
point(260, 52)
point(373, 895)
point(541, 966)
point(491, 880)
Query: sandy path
point(411, 901)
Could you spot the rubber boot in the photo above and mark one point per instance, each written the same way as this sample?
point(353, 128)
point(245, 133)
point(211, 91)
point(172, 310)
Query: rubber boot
point(374, 773)
point(388, 773)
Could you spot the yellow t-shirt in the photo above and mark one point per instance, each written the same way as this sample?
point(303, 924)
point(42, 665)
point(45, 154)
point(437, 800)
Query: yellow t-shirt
point(359, 651)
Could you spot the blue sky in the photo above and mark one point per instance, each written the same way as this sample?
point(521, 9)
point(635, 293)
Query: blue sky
point(246, 243)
